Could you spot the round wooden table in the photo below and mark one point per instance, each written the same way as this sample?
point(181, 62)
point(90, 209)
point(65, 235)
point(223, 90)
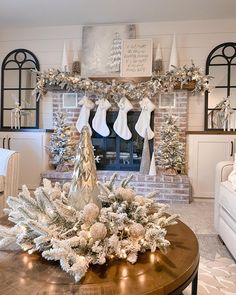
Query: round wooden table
point(154, 273)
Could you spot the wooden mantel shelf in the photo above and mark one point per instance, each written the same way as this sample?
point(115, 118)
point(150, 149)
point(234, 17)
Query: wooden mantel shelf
point(135, 80)
point(212, 132)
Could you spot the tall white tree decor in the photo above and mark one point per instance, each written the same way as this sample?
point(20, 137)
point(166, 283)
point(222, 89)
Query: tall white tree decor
point(61, 147)
point(170, 153)
point(152, 170)
point(65, 59)
point(115, 55)
point(173, 55)
point(47, 222)
point(145, 160)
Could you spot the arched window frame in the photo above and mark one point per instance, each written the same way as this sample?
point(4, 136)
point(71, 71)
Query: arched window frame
point(12, 57)
point(229, 62)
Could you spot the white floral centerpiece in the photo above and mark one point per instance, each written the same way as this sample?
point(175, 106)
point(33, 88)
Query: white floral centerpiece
point(124, 225)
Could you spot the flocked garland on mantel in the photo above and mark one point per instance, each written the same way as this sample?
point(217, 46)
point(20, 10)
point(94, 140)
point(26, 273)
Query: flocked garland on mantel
point(116, 88)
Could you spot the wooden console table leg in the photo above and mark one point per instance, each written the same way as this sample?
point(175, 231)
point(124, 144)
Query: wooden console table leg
point(194, 284)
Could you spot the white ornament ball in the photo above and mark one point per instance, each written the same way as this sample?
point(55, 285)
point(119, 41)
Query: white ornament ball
point(125, 194)
point(136, 230)
point(140, 199)
point(98, 231)
point(90, 212)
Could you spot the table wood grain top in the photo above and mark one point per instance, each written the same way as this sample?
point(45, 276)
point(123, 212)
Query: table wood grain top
point(154, 273)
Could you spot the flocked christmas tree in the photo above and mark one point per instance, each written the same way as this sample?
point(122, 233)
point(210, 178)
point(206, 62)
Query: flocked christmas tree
point(115, 55)
point(61, 147)
point(170, 153)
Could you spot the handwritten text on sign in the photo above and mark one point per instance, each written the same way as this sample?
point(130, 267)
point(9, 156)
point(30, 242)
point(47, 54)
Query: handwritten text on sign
point(136, 58)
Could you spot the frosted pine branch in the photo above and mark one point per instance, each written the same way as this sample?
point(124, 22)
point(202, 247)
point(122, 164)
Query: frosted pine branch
point(126, 225)
point(126, 181)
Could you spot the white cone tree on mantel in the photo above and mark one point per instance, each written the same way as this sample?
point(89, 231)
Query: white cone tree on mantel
point(173, 55)
point(65, 59)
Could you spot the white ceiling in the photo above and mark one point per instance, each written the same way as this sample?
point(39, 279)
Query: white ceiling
point(76, 12)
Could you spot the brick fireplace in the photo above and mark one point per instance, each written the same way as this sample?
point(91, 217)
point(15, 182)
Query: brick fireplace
point(180, 110)
point(171, 188)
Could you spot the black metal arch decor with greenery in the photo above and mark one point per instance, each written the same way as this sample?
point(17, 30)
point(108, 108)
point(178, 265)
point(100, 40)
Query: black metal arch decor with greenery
point(17, 83)
point(221, 59)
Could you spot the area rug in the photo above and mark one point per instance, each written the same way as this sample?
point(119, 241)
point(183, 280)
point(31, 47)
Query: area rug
point(217, 269)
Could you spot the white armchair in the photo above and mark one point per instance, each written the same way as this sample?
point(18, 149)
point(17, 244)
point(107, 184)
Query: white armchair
point(9, 176)
point(225, 206)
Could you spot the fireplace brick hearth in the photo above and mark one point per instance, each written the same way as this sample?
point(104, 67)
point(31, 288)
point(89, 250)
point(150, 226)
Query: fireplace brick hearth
point(172, 189)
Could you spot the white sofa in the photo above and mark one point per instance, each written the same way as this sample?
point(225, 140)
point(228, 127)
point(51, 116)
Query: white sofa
point(9, 176)
point(225, 206)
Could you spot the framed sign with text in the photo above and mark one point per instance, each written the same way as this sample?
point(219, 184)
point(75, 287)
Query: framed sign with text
point(136, 59)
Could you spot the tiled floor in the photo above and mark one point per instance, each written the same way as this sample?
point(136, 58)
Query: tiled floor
point(217, 270)
point(198, 215)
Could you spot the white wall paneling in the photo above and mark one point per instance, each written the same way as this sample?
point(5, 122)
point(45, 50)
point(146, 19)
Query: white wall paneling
point(195, 39)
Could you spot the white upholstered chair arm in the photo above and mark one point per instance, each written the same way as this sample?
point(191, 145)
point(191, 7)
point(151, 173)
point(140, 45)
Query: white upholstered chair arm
point(223, 170)
point(12, 176)
point(9, 168)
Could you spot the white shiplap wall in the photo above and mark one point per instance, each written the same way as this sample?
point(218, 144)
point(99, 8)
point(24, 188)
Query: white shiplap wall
point(195, 39)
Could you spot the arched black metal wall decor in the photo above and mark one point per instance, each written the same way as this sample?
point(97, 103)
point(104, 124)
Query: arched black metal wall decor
point(221, 62)
point(17, 83)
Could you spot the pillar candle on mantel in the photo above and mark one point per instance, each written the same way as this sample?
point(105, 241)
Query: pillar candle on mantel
point(173, 55)
point(65, 60)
